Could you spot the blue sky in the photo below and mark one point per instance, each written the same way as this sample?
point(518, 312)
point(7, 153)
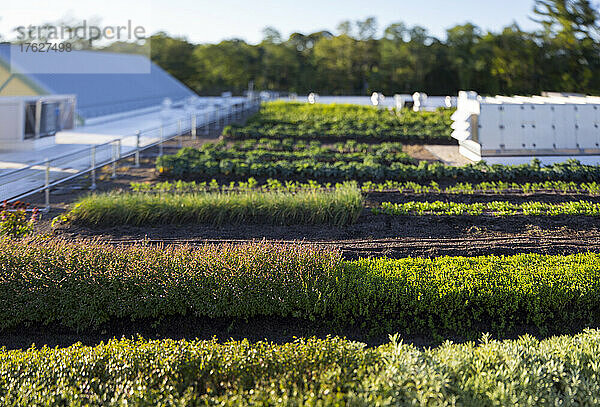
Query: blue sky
point(212, 21)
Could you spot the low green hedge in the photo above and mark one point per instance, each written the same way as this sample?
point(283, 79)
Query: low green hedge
point(524, 372)
point(494, 208)
point(83, 285)
point(341, 206)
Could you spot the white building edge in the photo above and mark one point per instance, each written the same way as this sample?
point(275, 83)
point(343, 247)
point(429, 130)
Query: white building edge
point(41, 110)
point(74, 120)
point(515, 129)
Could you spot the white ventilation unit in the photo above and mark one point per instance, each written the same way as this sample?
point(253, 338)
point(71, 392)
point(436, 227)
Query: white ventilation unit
point(30, 121)
point(377, 99)
point(313, 98)
point(403, 100)
point(423, 102)
point(503, 126)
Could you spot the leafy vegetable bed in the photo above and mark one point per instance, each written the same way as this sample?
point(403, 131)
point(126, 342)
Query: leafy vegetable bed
point(460, 188)
point(557, 371)
point(340, 121)
point(496, 208)
point(253, 151)
point(241, 158)
point(190, 163)
point(83, 285)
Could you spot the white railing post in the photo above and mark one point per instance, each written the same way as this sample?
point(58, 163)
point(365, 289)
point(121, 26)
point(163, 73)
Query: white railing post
point(114, 160)
point(47, 184)
point(160, 142)
point(93, 166)
point(193, 129)
point(38, 118)
point(179, 133)
point(137, 148)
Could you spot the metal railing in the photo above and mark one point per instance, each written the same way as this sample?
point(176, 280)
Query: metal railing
point(45, 175)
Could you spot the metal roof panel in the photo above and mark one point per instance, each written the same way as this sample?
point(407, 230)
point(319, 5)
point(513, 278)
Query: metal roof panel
point(100, 93)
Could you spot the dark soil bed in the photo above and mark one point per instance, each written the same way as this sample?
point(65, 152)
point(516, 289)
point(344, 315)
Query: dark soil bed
point(371, 236)
point(381, 235)
point(278, 330)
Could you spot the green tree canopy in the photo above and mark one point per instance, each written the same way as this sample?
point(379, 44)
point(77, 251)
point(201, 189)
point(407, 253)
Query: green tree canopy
point(562, 55)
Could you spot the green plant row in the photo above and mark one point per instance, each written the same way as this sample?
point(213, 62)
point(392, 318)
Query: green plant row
point(181, 165)
point(254, 155)
point(196, 156)
point(523, 372)
point(339, 122)
point(15, 221)
point(83, 285)
point(250, 185)
point(498, 187)
point(569, 171)
point(341, 206)
point(495, 208)
point(290, 144)
point(460, 188)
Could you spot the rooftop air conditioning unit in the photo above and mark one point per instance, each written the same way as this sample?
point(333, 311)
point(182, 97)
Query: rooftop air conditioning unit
point(28, 122)
point(377, 99)
point(313, 98)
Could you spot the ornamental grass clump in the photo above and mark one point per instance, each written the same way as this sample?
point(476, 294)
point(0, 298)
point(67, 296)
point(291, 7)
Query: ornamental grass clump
point(341, 206)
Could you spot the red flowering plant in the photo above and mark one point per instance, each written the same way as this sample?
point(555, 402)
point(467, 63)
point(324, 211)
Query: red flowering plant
point(15, 221)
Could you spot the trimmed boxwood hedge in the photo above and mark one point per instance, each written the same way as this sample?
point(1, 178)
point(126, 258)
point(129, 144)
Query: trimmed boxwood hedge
point(83, 285)
point(523, 372)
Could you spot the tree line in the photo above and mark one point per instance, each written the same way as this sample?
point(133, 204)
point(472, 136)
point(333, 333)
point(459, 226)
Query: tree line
point(562, 54)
